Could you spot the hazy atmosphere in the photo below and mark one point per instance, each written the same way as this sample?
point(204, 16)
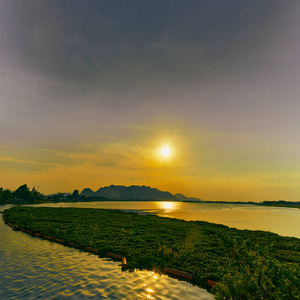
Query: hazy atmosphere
point(92, 91)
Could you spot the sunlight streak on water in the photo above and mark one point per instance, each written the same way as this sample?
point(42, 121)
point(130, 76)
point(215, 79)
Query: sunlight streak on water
point(168, 206)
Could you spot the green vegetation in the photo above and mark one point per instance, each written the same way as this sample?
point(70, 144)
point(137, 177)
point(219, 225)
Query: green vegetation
point(6, 196)
point(245, 264)
point(22, 195)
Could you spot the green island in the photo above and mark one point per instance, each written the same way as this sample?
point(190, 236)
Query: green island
point(245, 264)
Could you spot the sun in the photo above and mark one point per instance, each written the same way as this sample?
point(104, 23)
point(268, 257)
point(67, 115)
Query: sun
point(165, 152)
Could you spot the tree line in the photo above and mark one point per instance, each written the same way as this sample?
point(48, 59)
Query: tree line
point(21, 195)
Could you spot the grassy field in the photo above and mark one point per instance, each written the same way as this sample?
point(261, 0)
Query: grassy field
point(245, 264)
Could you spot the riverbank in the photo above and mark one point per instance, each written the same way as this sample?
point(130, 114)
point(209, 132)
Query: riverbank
point(245, 264)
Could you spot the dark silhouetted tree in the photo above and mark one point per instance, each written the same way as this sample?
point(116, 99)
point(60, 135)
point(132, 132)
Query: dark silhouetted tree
point(75, 194)
point(6, 196)
point(23, 193)
point(57, 197)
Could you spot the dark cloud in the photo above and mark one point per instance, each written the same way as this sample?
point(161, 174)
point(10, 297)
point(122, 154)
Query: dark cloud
point(87, 41)
point(111, 60)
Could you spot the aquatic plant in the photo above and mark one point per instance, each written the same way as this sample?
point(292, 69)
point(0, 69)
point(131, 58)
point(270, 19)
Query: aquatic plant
point(245, 264)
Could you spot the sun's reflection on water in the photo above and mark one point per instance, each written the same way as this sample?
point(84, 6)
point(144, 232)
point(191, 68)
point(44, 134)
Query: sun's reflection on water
point(168, 206)
point(152, 282)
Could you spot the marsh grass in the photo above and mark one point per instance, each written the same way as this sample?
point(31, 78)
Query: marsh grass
point(245, 264)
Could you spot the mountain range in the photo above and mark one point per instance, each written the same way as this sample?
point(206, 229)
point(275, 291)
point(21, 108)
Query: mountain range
point(181, 197)
point(134, 192)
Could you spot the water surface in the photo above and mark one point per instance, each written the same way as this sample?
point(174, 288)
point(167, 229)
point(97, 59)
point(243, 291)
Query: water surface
point(32, 268)
point(281, 220)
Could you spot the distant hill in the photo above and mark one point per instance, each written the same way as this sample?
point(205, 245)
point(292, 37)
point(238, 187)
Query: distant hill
point(184, 198)
point(87, 192)
point(133, 192)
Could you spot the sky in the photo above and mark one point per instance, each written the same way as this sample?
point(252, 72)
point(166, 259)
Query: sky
point(91, 90)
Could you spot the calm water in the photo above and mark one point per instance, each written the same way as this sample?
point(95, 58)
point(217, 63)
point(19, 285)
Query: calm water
point(31, 268)
point(281, 220)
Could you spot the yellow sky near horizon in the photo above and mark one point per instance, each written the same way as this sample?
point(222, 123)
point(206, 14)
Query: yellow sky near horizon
point(89, 101)
point(208, 165)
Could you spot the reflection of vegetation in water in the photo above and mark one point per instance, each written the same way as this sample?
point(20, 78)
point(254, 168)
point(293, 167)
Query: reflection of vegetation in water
point(283, 205)
point(246, 264)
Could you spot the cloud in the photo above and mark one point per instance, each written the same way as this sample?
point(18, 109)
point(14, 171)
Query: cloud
point(99, 82)
point(13, 160)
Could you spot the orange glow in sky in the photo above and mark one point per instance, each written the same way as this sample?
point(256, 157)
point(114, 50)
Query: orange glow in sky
point(203, 103)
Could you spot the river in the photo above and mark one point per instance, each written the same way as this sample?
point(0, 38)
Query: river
point(31, 268)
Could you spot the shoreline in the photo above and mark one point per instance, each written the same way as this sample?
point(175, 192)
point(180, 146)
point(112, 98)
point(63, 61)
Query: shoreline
point(288, 204)
point(243, 217)
point(209, 251)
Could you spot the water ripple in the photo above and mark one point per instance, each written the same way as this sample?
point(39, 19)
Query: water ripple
point(31, 268)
